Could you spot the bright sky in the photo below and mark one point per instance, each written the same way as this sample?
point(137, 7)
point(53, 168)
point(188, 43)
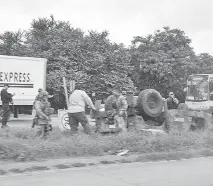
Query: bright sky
point(124, 19)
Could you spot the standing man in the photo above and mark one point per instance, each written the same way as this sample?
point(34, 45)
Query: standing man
point(76, 110)
point(6, 99)
point(118, 103)
point(43, 112)
point(37, 97)
point(124, 93)
point(172, 101)
point(120, 117)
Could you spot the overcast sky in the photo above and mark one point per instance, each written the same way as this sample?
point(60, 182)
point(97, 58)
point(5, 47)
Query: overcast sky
point(124, 19)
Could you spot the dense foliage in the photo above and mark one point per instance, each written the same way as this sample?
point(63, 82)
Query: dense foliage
point(162, 60)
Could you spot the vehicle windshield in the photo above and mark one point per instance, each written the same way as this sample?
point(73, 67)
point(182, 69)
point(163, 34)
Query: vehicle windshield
point(197, 88)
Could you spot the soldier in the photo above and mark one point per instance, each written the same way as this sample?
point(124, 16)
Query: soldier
point(37, 97)
point(120, 117)
point(124, 93)
point(6, 99)
point(172, 101)
point(43, 112)
point(119, 104)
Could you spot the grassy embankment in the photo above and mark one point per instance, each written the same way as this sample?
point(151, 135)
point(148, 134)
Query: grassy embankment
point(21, 145)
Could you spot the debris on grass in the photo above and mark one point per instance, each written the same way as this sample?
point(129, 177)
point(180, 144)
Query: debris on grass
point(62, 166)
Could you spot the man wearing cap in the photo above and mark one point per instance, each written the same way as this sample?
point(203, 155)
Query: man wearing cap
point(37, 97)
point(43, 112)
point(76, 110)
point(6, 99)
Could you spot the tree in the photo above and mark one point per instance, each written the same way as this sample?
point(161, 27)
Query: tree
point(163, 60)
point(92, 60)
point(204, 63)
point(11, 43)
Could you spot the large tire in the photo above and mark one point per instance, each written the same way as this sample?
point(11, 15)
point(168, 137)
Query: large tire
point(150, 103)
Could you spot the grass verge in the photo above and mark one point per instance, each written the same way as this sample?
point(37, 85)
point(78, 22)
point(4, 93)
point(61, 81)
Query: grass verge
point(21, 145)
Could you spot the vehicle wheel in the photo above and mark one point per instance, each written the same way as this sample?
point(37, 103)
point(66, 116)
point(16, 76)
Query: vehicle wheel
point(150, 102)
point(64, 122)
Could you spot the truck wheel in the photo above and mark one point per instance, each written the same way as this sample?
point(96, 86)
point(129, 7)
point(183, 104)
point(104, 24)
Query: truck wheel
point(182, 106)
point(150, 102)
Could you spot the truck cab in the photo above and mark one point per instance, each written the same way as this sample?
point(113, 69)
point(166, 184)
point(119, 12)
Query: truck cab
point(199, 92)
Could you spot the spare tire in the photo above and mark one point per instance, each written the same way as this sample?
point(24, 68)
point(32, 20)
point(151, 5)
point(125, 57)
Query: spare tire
point(150, 103)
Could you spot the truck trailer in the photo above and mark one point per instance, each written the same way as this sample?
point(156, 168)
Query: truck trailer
point(24, 75)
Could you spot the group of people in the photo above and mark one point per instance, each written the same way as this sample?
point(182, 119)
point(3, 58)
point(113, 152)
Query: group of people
point(41, 105)
point(76, 109)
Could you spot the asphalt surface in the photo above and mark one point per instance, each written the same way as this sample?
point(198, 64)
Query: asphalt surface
point(194, 172)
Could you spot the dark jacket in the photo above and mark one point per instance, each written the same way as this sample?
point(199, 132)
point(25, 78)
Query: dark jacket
point(5, 96)
point(171, 104)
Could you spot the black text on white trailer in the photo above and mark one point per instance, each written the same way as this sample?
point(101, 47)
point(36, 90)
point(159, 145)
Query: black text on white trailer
point(25, 75)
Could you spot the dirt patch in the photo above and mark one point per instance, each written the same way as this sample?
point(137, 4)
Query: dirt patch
point(16, 170)
point(107, 162)
point(2, 172)
point(36, 168)
point(79, 165)
point(62, 166)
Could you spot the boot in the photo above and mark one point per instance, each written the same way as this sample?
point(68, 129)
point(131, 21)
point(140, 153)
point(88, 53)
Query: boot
point(4, 125)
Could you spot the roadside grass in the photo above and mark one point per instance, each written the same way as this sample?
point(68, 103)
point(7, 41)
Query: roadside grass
point(22, 145)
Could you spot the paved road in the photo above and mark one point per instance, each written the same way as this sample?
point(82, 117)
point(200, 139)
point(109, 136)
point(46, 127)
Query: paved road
point(196, 172)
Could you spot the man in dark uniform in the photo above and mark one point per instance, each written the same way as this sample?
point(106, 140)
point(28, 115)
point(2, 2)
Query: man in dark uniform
point(172, 101)
point(6, 98)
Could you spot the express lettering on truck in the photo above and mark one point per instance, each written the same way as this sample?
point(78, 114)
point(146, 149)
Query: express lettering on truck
point(14, 77)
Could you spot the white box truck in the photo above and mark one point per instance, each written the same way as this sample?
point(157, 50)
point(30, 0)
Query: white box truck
point(25, 75)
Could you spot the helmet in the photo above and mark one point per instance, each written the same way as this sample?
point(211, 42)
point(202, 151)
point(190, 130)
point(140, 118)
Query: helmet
point(39, 90)
point(43, 93)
